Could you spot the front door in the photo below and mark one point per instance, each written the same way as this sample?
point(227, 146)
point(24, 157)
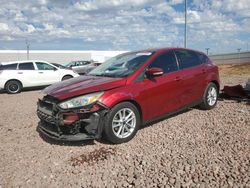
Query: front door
point(47, 74)
point(160, 95)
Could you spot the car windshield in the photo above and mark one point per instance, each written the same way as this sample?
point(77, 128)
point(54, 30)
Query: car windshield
point(68, 64)
point(59, 66)
point(122, 65)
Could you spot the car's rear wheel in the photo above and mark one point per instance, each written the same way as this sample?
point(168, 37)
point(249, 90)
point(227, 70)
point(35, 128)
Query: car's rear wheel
point(13, 87)
point(67, 77)
point(210, 97)
point(122, 123)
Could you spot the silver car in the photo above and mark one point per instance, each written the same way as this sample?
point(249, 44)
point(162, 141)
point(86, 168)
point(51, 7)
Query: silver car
point(81, 67)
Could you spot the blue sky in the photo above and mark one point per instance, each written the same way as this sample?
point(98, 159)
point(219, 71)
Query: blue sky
point(221, 25)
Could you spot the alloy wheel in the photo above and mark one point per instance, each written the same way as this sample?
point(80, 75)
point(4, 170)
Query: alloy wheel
point(124, 123)
point(212, 96)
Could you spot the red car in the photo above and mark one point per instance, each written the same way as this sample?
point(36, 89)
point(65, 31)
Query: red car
point(127, 91)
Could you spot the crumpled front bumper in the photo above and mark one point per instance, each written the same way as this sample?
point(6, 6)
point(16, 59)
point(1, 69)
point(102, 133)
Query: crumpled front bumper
point(70, 125)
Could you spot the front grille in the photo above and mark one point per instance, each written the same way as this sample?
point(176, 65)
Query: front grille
point(46, 117)
point(46, 110)
point(46, 105)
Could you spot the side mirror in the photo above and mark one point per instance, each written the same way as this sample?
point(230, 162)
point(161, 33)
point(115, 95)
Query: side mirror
point(55, 69)
point(154, 72)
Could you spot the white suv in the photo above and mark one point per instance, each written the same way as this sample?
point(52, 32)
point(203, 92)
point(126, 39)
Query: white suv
point(31, 73)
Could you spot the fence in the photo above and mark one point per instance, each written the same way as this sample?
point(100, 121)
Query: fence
point(67, 56)
point(231, 58)
point(56, 56)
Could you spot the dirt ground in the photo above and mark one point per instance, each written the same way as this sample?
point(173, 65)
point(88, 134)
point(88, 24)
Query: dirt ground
point(193, 149)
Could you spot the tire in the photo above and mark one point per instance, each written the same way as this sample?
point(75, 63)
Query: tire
point(66, 77)
point(13, 87)
point(117, 130)
point(210, 97)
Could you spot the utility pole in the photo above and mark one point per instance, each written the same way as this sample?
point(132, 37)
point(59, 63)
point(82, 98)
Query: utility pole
point(239, 54)
point(207, 50)
point(28, 49)
point(185, 31)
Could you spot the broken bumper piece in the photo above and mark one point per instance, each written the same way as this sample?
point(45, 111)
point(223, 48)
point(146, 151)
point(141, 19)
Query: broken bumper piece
point(70, 125)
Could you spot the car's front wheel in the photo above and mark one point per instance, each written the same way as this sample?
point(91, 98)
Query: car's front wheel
point(13, 87)
point(210, 97)
point(122, 123)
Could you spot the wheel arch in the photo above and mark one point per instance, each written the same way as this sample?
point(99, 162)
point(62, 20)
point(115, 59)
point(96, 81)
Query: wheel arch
point(216, 83)
point(135, 103)
point(67, 75)
point(13, 80)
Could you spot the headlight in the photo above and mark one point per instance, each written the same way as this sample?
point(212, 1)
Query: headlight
point(81, 101)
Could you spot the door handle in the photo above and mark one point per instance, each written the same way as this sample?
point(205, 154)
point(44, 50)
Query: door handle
point(20, 73)
point(40, 72)
point(177, 78)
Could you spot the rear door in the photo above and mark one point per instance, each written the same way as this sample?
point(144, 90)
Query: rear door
point(161, 95)
point(192, 75)
point(26, 74)
point(47, 74)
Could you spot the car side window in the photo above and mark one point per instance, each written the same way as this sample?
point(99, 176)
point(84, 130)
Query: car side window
point(86, 63)
point(203, 58)
point(187, 58)
point(26, 66)
point(166, 62)
point(44, 66)
point(9, 67)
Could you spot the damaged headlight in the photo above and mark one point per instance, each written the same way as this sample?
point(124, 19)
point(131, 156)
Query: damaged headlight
point(81, 101)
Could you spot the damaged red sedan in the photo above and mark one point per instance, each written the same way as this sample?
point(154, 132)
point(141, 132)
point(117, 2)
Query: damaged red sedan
point(127, 91)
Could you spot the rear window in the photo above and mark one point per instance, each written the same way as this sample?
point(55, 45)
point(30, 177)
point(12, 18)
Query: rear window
point(187, 58)
point(26, 66)
point(9, 67)
point(203, 58)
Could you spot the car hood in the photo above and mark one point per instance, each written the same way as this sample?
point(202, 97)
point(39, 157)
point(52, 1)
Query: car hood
point(82, 85)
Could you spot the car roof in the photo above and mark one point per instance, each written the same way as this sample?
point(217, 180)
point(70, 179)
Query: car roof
point(164, 49)
point(80, 61)
point(23, 61)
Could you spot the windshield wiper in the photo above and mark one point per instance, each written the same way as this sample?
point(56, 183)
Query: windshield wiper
point(104, 75)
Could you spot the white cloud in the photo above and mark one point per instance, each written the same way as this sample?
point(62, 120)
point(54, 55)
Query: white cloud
point(4, 27)
point(30, 28)
point(48, 27)
point(125, 24)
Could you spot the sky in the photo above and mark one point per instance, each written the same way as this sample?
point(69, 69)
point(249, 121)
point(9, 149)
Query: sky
point(220, 25)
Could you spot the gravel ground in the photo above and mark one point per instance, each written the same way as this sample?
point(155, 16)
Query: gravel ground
point(193, 149)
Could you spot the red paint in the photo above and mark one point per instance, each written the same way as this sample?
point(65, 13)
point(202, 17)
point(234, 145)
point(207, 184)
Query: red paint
point(155, 96)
